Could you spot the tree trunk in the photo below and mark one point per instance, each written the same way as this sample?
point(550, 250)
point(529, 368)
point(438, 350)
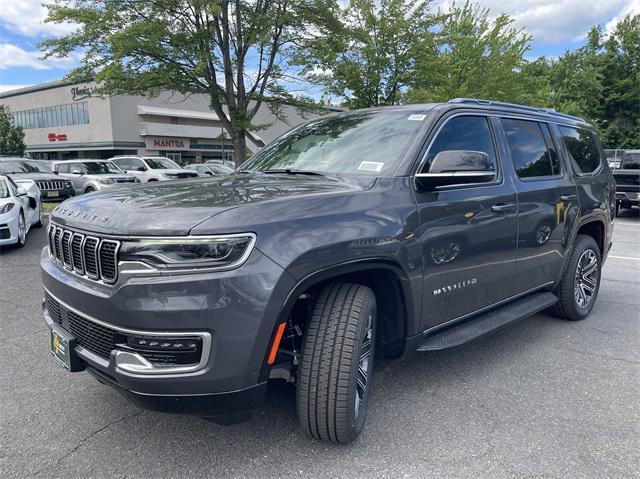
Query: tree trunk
point(239, 146)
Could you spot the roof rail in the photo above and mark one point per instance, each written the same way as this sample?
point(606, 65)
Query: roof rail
point(516, 106)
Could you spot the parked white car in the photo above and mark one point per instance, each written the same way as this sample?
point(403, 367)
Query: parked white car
point(92, 175)
point(152, 168)
point(20, 209)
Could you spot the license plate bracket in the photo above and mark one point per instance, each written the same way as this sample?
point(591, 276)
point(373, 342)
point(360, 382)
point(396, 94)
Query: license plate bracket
point(62, 348)
point(53, 194)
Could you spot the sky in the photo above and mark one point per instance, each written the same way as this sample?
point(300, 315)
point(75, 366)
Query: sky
point(556, 26)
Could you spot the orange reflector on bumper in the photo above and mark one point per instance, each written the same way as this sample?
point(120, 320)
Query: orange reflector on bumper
point(276, 343)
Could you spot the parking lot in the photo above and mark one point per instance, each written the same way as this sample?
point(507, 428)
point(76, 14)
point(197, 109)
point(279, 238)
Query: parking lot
point(543, 398)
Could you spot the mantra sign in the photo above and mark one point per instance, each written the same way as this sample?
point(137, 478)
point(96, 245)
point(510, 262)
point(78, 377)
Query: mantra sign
point(166, 143)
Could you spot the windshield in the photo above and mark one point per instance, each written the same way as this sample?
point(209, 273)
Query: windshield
point(24, 166)
point(361, 143)
point(102, 168)
point(161, 164)
point(631, 161)
point(221, 169)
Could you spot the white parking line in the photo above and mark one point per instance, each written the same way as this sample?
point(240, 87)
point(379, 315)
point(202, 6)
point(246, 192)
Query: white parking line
point(624, 257)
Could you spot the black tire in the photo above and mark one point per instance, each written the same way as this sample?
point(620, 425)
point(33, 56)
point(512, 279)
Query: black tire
point(568, 305)
point(90, 189)
point(40, 222)
point(331, 402)
point(22, 241)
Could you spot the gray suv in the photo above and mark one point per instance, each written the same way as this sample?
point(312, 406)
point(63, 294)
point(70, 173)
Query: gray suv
point(366, 233)
point(92, 175)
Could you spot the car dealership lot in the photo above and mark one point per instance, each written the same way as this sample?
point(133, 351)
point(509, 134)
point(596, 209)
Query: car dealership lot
point(542, 398)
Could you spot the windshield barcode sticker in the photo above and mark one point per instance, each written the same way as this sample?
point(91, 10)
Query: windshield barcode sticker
point(371, 166)
point(416, 117)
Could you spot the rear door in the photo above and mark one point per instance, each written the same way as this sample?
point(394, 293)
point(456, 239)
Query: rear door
point(547, 202)
point(467, 232)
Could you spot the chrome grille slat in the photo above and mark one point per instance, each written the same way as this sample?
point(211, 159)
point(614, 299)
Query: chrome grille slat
point(51, 185)
point(88, 256)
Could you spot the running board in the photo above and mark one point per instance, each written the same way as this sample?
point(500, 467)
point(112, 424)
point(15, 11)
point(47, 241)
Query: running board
point(485, 323)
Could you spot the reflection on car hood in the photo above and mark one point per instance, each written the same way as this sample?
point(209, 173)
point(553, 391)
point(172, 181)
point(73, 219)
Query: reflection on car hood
point(175, 207)
point(35, 176)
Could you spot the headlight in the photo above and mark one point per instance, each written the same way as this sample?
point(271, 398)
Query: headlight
point(190, 252)
point(107, 181)
point(68, 184)
point(6, 208)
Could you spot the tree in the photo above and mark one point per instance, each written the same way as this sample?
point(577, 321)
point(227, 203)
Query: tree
point(369, 60)
point(11, 136)
point(233, 51)
point(475, 57)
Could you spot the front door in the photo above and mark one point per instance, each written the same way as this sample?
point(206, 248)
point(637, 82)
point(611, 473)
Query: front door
point(468, 233)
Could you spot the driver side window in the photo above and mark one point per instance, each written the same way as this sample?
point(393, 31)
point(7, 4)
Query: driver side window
point(465, 137)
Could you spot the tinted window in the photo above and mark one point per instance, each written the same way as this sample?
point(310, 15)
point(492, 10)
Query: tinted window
point(63, 168)
point(582, 147)
point(358, 143)
point(470, 133)
point(136, 163)
point(631, 161)
point(123, 163)
point(101, 168)
point(528, 148)
point(161, 163)
point(556, 164)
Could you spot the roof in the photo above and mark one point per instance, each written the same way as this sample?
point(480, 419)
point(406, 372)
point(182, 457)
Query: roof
point(36, 88)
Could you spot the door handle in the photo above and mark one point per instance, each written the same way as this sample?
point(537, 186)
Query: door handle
point(568, 197)
point(502, 207)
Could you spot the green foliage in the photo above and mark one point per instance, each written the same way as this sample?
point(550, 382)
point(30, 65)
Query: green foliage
point(190, 46)
point(475, 57)
point(11, 136)
point(369, 58)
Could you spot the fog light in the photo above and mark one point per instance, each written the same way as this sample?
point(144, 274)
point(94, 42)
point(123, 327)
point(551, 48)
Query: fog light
point(164, 343)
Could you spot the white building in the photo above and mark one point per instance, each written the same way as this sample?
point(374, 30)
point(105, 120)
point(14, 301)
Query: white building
point(62, 120)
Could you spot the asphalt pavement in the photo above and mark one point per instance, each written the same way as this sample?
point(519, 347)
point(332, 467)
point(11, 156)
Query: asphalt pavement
point(543, 398)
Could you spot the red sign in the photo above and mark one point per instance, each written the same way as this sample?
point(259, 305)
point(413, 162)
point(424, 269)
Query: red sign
point(169, 143)
point(55, 137)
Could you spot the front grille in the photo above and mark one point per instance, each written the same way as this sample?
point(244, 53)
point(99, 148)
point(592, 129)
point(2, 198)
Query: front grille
point(51, 185)
point(125, 180)
point(101, 339)
point(92, 336)
point(88, 256)
point(54, 309)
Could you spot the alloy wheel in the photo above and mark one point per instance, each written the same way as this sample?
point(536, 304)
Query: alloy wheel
point(22, 230)
point(586, 279)
point(363, 365)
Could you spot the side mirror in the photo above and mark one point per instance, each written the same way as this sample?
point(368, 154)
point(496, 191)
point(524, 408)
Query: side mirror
point(208, 173)
point(75, 171)
point(141, 168)
point(21, 191)
point(457, 167)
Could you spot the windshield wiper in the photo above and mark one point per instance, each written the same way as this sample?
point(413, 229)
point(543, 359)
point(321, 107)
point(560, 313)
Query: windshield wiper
point(289, 171)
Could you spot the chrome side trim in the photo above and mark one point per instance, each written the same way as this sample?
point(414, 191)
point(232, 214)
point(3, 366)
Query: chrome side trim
point(132, 368)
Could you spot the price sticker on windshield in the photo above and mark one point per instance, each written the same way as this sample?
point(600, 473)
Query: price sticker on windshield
point(416, 117)
point(371, 166)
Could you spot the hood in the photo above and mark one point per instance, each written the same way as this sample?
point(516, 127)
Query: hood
point(175, 207)
point(174, 172)
point(36, 176)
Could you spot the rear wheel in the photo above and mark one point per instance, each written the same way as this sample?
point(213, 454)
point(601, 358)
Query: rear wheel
point(334, 379)
point(578, 288)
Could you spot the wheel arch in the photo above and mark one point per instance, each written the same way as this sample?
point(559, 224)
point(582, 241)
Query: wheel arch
point(390, 285)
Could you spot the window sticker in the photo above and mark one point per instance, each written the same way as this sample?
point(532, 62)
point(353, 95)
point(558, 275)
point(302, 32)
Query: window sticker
point(416, 117)
point(371, 166)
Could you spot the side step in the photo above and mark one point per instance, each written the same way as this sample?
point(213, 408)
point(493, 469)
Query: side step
point(488, 322)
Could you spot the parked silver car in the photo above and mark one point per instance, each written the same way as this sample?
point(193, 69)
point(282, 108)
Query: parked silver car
point(210, 169)
point(152, 168)
point(92, 175)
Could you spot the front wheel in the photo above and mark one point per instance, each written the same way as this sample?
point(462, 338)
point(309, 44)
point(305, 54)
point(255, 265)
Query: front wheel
point(580, 283)
point(334, 379)
point(22, 231)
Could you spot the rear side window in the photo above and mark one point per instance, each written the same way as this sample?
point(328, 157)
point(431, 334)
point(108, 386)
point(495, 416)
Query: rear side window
point(533, 156)
point(468, 133)
point(583, 149)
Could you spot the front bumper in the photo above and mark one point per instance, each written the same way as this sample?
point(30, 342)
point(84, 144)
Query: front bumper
point(628, 199)
point(8, 228)
point(57, 194)
point(238, 309)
